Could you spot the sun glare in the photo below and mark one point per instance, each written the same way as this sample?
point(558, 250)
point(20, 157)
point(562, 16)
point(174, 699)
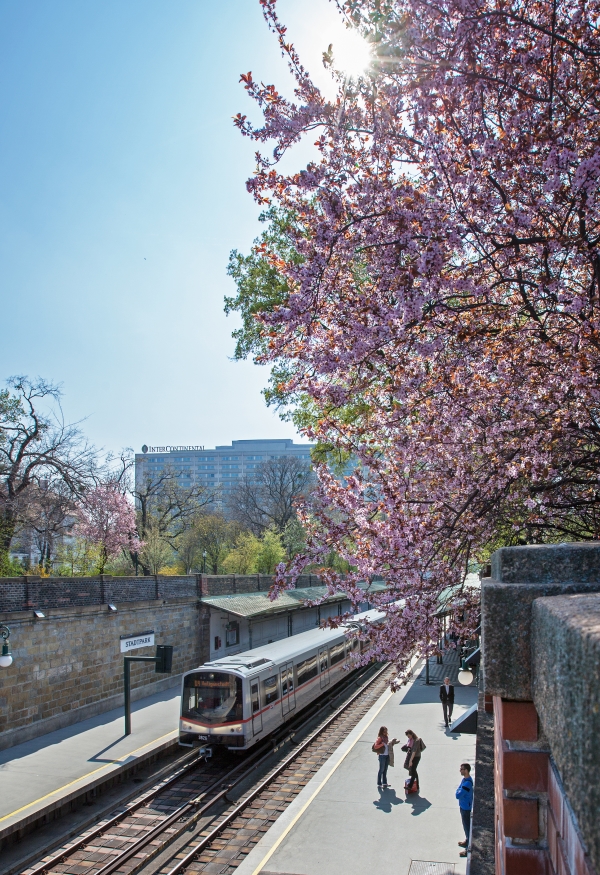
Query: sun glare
point(351, 54)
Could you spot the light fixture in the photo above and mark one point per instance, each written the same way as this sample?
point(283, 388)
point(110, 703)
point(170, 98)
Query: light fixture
point(112, 607)
point(465, 676)
point(6, 656)
point(39, 615)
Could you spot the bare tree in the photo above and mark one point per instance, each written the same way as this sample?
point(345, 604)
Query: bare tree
point(48, 516)
point(36, 446)
point(166, 509)
point(266, 500)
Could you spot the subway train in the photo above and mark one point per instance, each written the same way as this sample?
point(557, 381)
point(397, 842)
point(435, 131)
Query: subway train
point(239, 700)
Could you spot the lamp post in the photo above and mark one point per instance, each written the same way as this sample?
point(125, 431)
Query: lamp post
point(6, 655)
point(204, 555)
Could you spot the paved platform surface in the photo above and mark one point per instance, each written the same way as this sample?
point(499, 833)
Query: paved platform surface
point(342, 824)
point(55, 767)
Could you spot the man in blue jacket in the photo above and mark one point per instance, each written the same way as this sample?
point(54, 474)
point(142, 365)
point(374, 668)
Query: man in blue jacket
point(464, 794)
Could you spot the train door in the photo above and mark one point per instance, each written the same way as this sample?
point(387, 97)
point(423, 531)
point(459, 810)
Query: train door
point(288, 693)
point(256, 712)
point(323, 667)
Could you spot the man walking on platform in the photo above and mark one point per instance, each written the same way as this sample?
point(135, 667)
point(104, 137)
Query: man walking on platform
point(464, 794)
point(447, 700)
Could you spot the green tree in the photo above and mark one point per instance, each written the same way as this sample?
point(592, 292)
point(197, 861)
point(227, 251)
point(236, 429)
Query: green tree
point(156, 551)
point(216, 536)
point(243, 558)
point(271, 552)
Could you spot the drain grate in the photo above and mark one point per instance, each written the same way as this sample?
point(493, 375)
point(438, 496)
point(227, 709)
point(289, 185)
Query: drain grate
point(427, 867)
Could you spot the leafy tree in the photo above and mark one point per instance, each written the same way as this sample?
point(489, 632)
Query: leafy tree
point(271, 552)
point(156, 551)
point(77, 556)
point(243, 558)
point(216, 536)
point(293, 538)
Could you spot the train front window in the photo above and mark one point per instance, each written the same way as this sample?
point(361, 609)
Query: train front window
point(212, 697)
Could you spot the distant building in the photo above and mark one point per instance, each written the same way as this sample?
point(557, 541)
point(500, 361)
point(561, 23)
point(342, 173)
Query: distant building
point(220, 469)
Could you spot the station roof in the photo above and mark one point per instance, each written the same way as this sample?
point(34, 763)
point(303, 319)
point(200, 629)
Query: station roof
point(258, 604)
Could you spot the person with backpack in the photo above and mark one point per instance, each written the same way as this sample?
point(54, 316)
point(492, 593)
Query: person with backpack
point(384, 748)
point(464, 794)
point(414, 747)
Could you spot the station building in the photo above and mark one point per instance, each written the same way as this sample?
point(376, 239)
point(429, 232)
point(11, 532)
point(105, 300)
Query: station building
point(243, 621)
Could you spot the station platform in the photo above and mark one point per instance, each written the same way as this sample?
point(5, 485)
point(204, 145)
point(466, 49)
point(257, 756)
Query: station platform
point(342, 824)
point(47, 773)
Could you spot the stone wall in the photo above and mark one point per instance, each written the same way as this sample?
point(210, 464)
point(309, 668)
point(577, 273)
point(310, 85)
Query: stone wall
point(68, 666)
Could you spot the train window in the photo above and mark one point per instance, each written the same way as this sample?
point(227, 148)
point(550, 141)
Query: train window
point(255, 698)
point(212, 697)
point(355, 644)
point(270, 689)
point(307, 670)
point(337, 653)
point(323, 660)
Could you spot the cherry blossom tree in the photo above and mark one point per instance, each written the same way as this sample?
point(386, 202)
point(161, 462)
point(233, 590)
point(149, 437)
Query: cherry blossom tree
point(107, 519)
point(434, 283)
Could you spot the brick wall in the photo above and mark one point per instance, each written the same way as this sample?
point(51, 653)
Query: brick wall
point(536, 830)
point(68, 666)
point(227, 584)
point(27, 593)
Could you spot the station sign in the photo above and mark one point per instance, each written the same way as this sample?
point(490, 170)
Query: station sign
point(133, 642)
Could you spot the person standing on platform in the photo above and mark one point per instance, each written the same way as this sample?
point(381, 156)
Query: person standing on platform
point(464, 794)
point(385, 750)
point(414, 747)
point(447, 700)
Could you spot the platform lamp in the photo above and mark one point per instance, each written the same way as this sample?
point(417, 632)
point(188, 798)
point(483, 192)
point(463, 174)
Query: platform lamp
point(465, 675)
point(6, 656)
point(204, 555)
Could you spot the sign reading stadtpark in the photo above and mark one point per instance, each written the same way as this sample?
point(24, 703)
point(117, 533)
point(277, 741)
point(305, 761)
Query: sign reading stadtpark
point(132, 642)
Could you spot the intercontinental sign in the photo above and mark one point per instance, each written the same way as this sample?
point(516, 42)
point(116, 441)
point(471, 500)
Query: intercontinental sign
point(168, 449)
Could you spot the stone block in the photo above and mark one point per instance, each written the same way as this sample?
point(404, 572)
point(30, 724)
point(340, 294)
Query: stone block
point(521, 818)
point(566, 690)
point(554, 563)
point(519, 576)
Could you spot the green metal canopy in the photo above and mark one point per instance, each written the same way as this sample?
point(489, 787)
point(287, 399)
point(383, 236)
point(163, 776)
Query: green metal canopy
point(258, 604)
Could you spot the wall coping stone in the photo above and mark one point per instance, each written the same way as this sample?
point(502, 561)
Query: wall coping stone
point(548, 563)
point(519, 576)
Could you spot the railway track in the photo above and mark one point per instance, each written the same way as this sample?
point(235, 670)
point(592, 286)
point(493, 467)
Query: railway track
point(208, 813)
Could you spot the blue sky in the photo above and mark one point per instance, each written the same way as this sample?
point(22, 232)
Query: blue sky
point(122, 192)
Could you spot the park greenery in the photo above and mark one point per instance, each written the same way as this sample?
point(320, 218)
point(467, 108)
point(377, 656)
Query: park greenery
point(84, 514)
